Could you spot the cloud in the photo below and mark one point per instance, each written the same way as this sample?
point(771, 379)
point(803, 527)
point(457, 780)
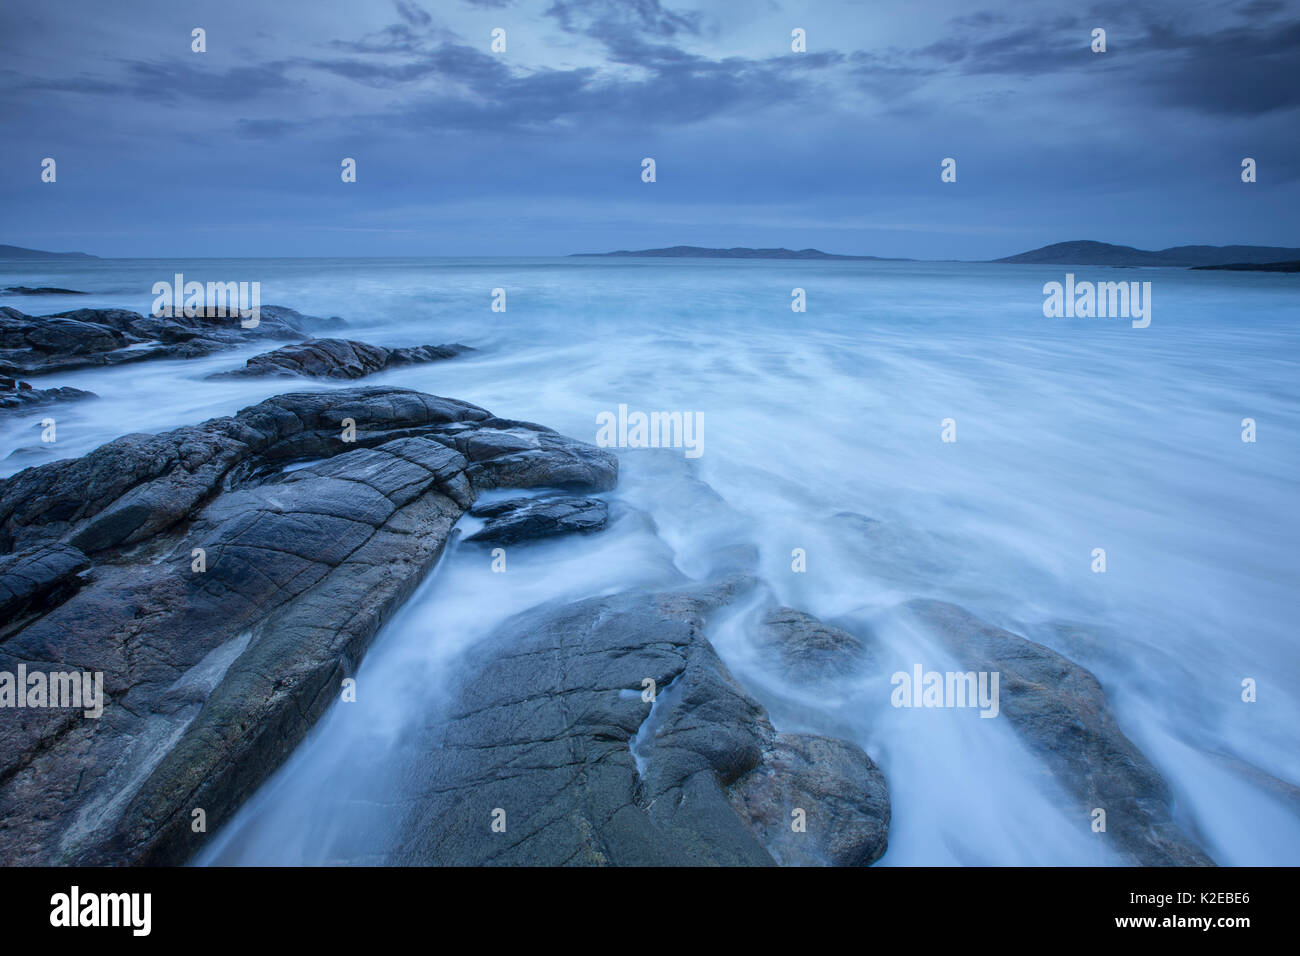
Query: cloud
point(602, 19)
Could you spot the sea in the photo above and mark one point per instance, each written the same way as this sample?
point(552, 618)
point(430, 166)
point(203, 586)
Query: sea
point(992, 452)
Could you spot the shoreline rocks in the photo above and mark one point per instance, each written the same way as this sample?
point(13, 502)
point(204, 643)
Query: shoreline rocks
point(84, 338)
point(226, 599)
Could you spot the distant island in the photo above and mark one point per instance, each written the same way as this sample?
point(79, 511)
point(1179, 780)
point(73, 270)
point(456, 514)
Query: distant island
point(1088, 253)
point(1293, 266)
point(18, 252)
point(739, 252)
point(1080, 252)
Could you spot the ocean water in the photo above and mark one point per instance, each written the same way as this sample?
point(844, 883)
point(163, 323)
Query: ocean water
point(1072, 434)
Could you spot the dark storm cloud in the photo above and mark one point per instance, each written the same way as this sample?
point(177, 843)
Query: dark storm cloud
point(1229, 68)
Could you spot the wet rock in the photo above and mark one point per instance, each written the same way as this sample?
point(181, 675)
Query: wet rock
point(1059, 710)
point(227, 601)
point(525, 519)
point(340, 358)
point(805, 650)
point(548, 724)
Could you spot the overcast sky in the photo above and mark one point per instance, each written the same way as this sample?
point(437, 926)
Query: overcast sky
point(162, 151)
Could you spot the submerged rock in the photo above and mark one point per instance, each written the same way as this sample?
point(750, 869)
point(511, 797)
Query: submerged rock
point(340, 358)
point(84, 338)
point(1059, 710)
point(524, 519)
point(227, 599)
point(547, 725)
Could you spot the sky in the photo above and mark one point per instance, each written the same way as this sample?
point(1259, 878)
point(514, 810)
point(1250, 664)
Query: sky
point(461, 150)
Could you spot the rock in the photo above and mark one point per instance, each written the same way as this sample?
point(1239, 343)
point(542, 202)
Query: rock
point(806, 650)
point(214, 672)
point(42, 290)
point(1059, 710)
point(95, 337)
point(524, 519)
point(340, 358)
point(547, 723)
point(16, 395)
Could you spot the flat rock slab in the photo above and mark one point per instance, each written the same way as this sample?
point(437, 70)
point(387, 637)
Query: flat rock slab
point(548, 730)
point(225, 599)
point(526, 519)
point(340, 358)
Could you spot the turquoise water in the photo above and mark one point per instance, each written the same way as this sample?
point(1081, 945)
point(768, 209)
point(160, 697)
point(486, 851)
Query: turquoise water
point(1072, 434)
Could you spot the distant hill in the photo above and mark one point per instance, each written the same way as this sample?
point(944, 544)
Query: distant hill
point(740, 252)
point(1087, 253)
point(18, 252)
